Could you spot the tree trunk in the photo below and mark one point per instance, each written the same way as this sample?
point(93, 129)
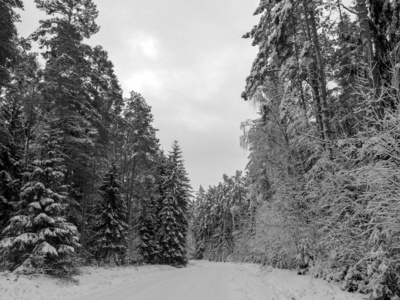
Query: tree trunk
point(84, 208)
point(130, 187)
point(320, 68)
point(363, 17)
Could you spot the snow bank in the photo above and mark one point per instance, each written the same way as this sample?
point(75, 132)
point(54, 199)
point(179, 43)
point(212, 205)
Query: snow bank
point(92, 279)
point(287, 285)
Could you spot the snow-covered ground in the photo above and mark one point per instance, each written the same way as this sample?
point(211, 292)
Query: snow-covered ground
point(200, 280)
point(92, 279)
point(287, 285)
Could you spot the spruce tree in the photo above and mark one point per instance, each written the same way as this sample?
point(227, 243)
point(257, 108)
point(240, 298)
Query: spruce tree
point(175, 193)
point(148, 224)
point(183, 190)
point(110, 229)
point(39, 238)
point(10, 158)
point(172, 241)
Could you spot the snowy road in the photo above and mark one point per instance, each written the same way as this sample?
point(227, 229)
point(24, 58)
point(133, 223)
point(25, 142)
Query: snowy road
point(200, 280)
point(207, 281)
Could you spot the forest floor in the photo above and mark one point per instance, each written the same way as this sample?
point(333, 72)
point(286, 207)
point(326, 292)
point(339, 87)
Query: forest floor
point(200, 280)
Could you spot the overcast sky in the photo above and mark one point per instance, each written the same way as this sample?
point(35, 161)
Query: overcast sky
point(188, 60)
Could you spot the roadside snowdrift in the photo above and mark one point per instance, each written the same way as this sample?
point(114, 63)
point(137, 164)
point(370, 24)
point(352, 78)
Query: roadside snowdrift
point(92, 279)
point(287, 285)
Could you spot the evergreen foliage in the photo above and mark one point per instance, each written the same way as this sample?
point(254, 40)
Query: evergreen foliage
point(38, 237)
point(61, 204)
point(173, 251)
point(173, 214)
point(148, 224)
point(321, 189)
point(10, 160)
point(109, 242)
point(220, 220)
point(8, 38)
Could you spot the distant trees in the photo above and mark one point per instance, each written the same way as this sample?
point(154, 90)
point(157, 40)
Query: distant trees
point(221, 219)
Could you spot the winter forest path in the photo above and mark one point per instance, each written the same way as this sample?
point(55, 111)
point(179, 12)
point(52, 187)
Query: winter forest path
point(199, 281)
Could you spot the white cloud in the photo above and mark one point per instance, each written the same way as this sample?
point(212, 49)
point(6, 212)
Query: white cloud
point(148, 46)
point(144, 44)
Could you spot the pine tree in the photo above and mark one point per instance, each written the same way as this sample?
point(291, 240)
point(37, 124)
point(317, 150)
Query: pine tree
point(140, 147)
point(136, 149)
point(39, 238)
point(109, 240)
point(67, 72)
point(82, 90)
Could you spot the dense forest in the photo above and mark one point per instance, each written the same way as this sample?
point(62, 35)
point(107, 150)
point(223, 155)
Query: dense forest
point(321, 192)
point(83, 179)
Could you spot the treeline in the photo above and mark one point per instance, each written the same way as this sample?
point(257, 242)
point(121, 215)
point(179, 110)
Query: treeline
point(220, 219)
point(82, 176)
point(322, 187)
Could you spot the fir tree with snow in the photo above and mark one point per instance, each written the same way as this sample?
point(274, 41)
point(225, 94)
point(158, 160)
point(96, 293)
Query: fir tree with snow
point(174, 208)
point(147, 227)
point(38, 238)
point(172, 242)
point(183, 183)
point(110, 229)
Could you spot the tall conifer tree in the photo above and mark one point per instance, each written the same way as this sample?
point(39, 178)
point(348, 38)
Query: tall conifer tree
point(148, 223)
point(175, 193)
point(109, 229)
point(39, 238)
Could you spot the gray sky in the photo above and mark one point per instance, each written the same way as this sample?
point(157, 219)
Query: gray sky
point(189, 62)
